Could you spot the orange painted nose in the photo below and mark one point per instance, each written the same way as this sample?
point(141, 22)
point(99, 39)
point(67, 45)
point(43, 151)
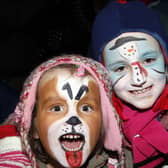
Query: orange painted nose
point(130, 50)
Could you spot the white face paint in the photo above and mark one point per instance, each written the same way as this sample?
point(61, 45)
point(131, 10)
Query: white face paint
point(137, 68)
point(64, 151)
point(68, 105)
point(68, 88)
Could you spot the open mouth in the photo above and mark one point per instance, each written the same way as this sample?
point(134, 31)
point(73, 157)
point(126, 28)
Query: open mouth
point(141, 91)
point(72, 142)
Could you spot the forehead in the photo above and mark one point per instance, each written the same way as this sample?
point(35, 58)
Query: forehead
point(148, 38)
point(62, 84)
point(63, 74)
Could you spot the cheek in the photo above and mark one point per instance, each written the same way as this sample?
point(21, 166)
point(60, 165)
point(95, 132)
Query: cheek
point(94, 129)
point(153, 75)
point(158, 66)
point(43, 126)
point(122, 83)
point(43, 134)
point(114, 77)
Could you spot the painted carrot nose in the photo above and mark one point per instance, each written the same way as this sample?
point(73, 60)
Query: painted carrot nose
point(130, 50)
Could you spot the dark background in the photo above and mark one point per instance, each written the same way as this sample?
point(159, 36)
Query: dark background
point(33, 31)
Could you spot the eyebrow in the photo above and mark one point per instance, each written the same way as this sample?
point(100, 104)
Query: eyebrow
point(118, 62)
point(150, 52)
point(124, 40)
point(52, 99)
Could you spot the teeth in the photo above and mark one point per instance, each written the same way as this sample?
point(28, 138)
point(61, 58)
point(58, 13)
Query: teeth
point(141, 91)
point(71, 136)
point(72, 142)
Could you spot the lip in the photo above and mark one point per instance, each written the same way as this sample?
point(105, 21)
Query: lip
point(141, 91)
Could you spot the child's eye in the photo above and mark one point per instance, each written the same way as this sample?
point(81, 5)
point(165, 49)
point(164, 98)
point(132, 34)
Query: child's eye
point(149, 60)
point(57, 108)
point(119, 69)
point(86, 108)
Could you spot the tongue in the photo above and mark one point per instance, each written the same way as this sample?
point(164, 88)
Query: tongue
point(74, 158)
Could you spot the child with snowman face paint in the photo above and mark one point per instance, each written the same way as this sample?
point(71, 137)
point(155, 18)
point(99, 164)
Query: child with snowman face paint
point(130, 41)
point(64, 118)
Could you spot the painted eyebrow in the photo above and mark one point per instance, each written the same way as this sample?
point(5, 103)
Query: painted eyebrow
point(124, 40)
point(69, 90)
point(82, 89)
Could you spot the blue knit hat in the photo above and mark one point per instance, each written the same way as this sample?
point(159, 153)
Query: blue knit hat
point(115, 19)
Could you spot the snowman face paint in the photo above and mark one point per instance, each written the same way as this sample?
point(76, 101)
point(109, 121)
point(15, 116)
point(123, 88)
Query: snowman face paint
point(137, 68)
point(67, 107)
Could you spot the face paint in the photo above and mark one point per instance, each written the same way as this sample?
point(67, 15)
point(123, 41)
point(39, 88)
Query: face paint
point(67, 107)
point(137, 68)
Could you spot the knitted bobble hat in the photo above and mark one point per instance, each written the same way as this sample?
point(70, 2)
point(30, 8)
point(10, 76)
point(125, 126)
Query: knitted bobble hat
point(116, 18)
point(23, 111)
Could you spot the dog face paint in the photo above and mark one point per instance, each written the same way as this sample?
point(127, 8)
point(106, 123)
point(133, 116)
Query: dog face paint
point(137, 68)
point(67, 107)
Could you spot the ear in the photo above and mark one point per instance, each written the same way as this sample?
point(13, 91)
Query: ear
point(35, 131)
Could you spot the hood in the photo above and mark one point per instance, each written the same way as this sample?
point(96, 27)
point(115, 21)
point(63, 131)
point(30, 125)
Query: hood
point(23, 111)
point(116, 18)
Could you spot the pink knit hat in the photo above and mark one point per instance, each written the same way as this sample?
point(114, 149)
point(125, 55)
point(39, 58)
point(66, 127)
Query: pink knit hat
point(23, 111)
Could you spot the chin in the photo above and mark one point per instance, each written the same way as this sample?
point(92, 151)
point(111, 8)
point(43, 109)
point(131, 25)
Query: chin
point(143, 105)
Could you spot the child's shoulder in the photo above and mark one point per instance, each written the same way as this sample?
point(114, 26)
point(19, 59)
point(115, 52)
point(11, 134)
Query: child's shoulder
point(11, 153)
point(9, 139)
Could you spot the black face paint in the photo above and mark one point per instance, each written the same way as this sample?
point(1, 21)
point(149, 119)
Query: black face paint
point(158, 71)
point(117, 81)
point(69, 90)
point(82, 89)
point(124, 40)
point(73, 121)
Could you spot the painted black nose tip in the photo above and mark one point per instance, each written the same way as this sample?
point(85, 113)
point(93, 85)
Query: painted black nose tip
point(73, 121)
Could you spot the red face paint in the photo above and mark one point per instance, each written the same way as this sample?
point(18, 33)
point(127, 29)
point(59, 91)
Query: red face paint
point(143, 70)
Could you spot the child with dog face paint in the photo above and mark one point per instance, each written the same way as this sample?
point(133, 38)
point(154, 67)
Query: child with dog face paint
point(129, 40)
point(62, 117)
